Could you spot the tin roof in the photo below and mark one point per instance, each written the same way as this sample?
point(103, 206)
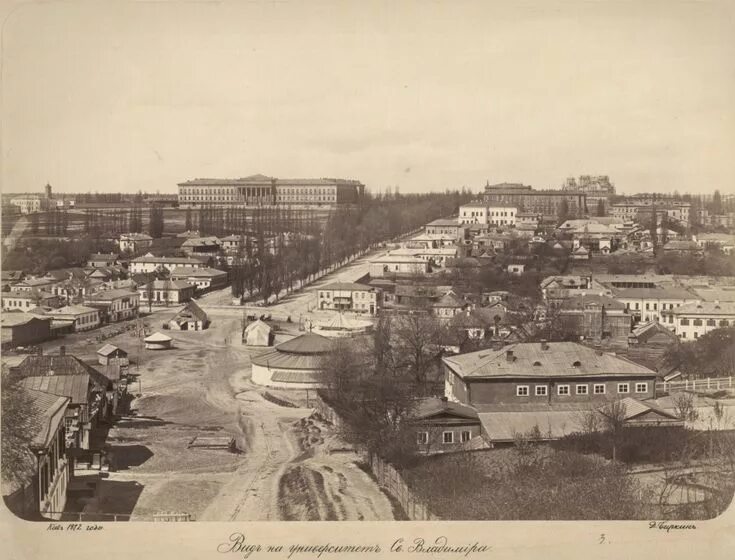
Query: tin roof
point(532, 359)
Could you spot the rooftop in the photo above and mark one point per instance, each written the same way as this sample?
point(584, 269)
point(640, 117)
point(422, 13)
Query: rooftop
point(203, 272)
point(444, 222)
point(706, 308)
point(653, 293)
point(532, 359)
point(9, 319)
point(347, 286)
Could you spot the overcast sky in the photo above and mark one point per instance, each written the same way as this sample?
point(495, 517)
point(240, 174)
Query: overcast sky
point(121, 96)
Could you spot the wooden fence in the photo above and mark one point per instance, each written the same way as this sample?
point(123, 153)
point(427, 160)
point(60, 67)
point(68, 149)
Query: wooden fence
point(706, 384)
point(392, 481)
point(387, 476)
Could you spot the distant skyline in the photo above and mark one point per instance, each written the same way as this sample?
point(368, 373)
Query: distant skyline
point(128, 96)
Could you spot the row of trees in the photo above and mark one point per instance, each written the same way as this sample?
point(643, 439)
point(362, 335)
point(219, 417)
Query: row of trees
point(284, 248)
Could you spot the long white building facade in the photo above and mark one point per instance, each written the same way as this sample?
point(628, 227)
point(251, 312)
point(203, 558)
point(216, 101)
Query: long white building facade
point(257, 190)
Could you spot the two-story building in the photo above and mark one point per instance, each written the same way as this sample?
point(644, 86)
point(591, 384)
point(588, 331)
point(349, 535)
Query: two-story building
point(135, 242)
point(349, 296)
point(150, 263)
point(647, 304)
point(481, 213)
point(698, 318)
point(114, 305)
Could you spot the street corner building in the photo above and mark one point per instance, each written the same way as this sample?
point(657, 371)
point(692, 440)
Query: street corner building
point(295, 364)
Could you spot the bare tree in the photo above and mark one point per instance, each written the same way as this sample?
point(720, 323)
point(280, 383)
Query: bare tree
point(614, 414)
point(684, 405)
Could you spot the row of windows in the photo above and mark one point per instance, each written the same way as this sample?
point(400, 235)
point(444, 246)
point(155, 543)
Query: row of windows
point(699, 323)
point(655, 306)
point(580, 389)
point(422, 438)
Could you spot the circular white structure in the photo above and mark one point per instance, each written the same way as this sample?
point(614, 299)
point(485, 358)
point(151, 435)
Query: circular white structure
point(294, 364)
point(340, 326)
point(158, 341)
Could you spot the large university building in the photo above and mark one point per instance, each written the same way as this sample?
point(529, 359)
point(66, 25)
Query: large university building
point(526, 199)
point(261, 190)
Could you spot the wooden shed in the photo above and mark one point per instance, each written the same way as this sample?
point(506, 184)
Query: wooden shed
point(110, 353)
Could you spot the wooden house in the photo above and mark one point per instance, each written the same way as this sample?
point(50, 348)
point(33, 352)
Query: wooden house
point(190, 318)
point(110, 353)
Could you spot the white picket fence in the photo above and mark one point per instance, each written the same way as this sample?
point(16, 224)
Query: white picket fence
point(706, 384)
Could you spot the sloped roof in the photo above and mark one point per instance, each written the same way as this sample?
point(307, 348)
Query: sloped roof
point(307, 343)
point(157, 337)
point(347, 286)
point(433, 406)
point(582, 301)
point(46, 412)
point(75, 387)
point(9, 319)
point(444, 222)
point(259, 324)
point(72, 310)
point(450, 300)
point(108, 349)
point(706, 308)
point(298, 377)
point(109, 295)
point(530, 359)
point(192, 309)
point(653, 293)
point(201, 242)
point(203, 272)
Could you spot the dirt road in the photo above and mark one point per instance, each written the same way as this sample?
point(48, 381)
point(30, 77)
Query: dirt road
point(202, 387)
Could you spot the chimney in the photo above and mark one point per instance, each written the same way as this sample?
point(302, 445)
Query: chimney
point(62, 350)
point(509, 356)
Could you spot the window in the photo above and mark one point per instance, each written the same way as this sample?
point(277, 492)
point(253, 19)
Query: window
point(697, 322)
point(637, 306)
point(599, 388)
point(582, 389)
point(710, 322)
point(647, 307)
point(466, 435)
point(623, 388)
point(447, 437)
point(562, 390)
point(522, 391)
point(422, 438)
point(541, 390)
point(641, 387)
point(684, 322)
point(723, 322)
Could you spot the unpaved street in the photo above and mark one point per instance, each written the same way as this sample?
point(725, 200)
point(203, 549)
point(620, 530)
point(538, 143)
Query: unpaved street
point(202, 388)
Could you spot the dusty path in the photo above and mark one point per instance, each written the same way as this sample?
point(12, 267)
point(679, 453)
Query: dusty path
point(202, 387)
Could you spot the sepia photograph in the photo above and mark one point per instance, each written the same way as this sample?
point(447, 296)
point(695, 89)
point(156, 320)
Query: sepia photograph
point(368, 262)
